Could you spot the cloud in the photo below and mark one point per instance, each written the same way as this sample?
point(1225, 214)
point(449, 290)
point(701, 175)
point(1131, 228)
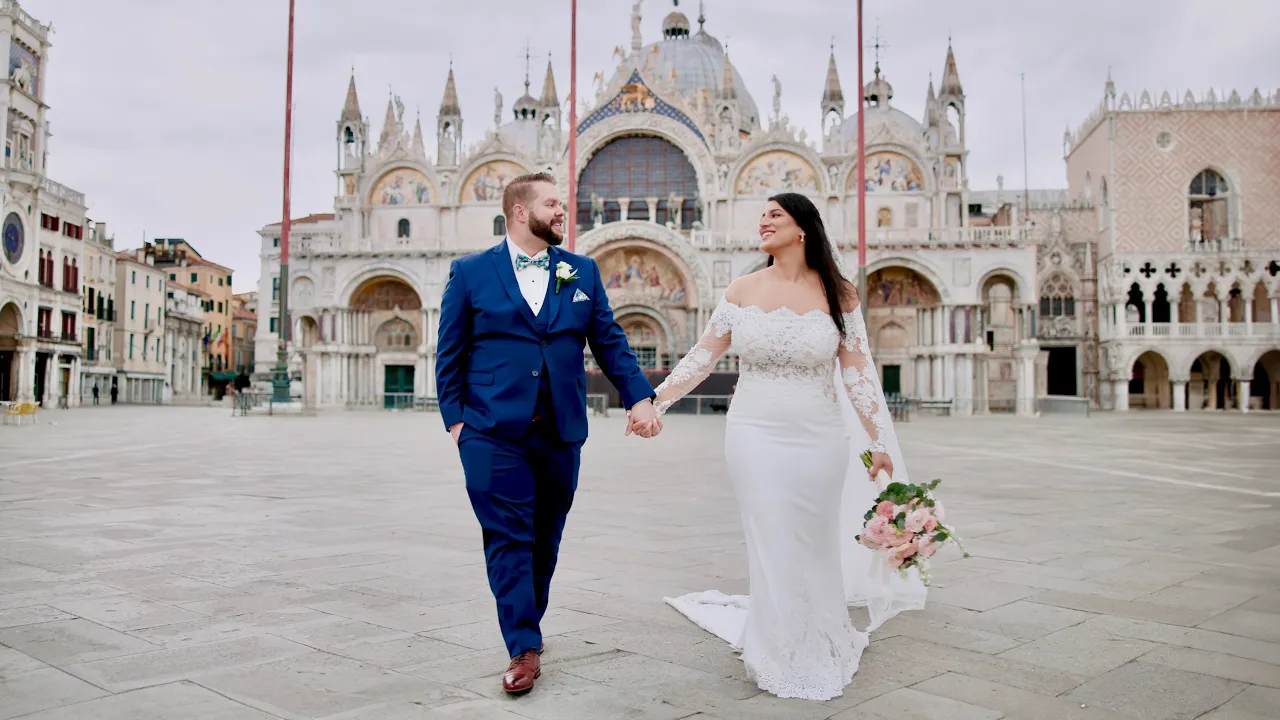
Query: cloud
point(169, 116)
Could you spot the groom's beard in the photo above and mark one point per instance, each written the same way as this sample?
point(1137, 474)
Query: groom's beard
point(544, 231)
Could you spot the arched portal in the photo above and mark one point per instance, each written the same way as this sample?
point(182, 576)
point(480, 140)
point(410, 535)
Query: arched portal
point(630, 169)
point(1210, 387)
point(900, 314)
point(1149, 382)
point(1264, 388)
point(10, 328)
point(390, 318)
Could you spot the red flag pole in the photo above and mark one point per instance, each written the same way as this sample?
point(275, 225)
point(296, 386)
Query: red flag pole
point(280, 382)
point(862, 173)
point(572, 219)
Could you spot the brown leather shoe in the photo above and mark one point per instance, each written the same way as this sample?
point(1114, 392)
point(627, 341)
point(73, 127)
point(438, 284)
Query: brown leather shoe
point(523, 670)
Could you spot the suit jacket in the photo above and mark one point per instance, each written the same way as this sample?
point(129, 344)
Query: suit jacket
point(491, 349)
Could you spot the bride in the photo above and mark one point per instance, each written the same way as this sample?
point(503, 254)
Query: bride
point(808, 402)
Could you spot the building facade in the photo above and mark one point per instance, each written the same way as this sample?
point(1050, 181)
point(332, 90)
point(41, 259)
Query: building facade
point(1186, 199)
point(140, 328)
point(185, 265)
point(244, 330)
point(97, 321)
point(675, 162)
point(42, 223)
point(184, 342)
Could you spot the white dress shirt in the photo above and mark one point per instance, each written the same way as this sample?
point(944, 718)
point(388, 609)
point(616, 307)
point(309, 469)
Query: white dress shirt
point(533, 280)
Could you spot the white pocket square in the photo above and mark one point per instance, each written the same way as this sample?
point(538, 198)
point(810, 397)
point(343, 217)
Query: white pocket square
point(579, 296)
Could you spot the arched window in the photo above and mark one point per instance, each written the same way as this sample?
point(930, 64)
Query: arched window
point(402, 228)
point(1208, 203)
point(396, 333)
point(500, 225)
point(635, 168)
point(1057, 299)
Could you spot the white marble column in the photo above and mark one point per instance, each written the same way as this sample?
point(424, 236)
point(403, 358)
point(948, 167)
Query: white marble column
point(1120, 395)
point(1248, 316)
point(1179, 395)
point(1025, 386)
point(653, 209)
point(921, 390)
point(1242, 393)
point(936, 387)
point(1275, 311)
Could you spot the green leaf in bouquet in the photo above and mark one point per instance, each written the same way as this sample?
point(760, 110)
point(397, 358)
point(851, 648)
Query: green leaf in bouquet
point(866, 458)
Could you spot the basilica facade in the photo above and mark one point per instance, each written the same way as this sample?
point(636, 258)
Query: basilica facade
point(675, 161)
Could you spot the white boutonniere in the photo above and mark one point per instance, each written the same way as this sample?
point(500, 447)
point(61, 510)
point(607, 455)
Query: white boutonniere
point(564, 274)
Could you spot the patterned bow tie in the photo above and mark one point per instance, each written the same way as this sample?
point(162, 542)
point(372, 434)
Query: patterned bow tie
point(523, 261)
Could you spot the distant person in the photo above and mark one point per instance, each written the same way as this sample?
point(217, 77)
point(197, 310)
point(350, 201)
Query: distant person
point(95, 393)
point(115, 393)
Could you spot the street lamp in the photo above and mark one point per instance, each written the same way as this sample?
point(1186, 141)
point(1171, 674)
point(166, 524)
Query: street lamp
point(280, 382)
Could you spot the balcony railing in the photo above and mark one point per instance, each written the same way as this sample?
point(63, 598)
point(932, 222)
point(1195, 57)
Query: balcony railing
point(882, 237)
point(1202, 330)
point(62, 192)
point(1221, 245)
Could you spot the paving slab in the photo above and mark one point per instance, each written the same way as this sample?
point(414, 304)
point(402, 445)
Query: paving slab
point(290, 580)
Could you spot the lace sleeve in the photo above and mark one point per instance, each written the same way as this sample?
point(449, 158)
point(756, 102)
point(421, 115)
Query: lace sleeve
point(698, 363)
point(862, 382)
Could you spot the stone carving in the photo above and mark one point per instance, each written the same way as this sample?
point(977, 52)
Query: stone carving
point(636, 97)
point(497, 106)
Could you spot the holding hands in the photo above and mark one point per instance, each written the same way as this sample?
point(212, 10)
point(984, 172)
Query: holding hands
point(643, 420)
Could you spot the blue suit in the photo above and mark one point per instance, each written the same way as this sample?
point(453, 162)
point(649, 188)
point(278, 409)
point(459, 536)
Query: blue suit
point(518, 384)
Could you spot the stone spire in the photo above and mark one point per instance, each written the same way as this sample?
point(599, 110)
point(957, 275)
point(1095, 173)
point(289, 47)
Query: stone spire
point(832, 94)
point(419, 147)
point(549, 97)
point(728, 89)
point(351, 108)
point(389, 130)
point(449, 104)
point(951, 76)
point(930, 106)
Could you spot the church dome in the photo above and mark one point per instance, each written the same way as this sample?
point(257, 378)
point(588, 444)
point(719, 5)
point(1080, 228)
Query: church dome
point(883, 115)
point(698, 62)
point(675, 25)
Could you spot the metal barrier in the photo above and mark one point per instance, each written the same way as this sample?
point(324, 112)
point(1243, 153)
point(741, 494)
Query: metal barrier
point(701, 405)
point(399, 401)
point(246, 400)
point(598, 404)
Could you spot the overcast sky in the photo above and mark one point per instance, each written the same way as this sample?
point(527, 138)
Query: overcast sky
point(169, 115)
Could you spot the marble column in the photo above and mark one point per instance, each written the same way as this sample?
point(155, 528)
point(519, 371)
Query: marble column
point(1248, 317)
point(1275, 311)
point(1179, 395)
point(624, 206)
point(936, 388)
point(1025, 386)
point(1242, 394)
point(921, 390)
point(1120, 395)
point(653, 209)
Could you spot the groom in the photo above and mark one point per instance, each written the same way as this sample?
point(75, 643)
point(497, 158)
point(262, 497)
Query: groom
point(512, 391)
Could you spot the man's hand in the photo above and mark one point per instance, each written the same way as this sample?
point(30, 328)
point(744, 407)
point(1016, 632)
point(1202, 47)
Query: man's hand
point(455, 431)
point(643, 420)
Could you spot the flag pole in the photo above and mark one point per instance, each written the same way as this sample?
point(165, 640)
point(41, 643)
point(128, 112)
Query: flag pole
point(280, 383)
point(862, 175)
point(571, 221)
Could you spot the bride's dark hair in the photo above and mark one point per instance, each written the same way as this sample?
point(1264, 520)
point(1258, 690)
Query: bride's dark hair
point(817, 252)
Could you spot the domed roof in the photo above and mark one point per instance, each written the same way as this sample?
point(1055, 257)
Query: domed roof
point(675, 25)
point(699, 64)
point(883, 114)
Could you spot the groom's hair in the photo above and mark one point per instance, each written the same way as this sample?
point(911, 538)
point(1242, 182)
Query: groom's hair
point(520, 191)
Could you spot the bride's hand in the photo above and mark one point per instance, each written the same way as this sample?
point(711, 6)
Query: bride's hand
point(880, 461)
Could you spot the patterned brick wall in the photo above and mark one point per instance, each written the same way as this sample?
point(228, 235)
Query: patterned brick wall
point(1150, 190)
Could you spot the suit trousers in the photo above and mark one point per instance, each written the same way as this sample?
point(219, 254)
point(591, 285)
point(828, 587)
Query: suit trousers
point(521, 491)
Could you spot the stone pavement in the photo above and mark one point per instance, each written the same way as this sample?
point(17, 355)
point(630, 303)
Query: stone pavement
point(175, 563)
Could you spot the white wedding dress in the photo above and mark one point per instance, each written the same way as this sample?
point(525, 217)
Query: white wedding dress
point(806, 405)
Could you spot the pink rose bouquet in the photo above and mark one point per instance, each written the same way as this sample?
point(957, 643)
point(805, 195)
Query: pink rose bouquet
point(905, 526)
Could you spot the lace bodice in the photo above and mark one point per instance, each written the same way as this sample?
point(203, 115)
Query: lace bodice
point(791, 351)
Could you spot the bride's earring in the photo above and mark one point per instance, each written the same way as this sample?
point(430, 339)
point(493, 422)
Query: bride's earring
point(801, 237)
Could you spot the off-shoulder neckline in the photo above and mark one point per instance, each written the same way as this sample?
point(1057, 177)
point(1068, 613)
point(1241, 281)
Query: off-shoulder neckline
point(782, 310)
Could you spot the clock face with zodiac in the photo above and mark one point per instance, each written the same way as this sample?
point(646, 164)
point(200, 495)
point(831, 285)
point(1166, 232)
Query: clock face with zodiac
point(13, 239)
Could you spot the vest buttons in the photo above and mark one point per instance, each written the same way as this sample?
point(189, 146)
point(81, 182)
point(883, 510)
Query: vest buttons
point(535, 373)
